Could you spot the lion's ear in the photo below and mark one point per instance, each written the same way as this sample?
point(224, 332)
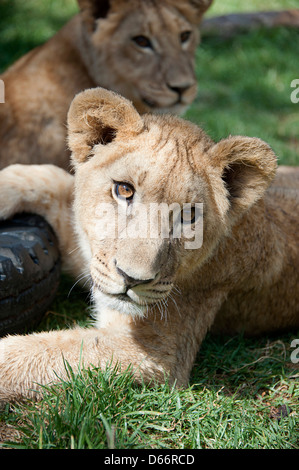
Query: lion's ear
point(96, 117)
point(201, 5)
point(192, 9)
point(247, 166)
point(92, 10)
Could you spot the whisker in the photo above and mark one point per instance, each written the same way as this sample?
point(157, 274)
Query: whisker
point(88, 279)
point(176, 305)
point(83, 276)
point(160, 307)
point(75, 249)
point(165, 304)
point(176, 290)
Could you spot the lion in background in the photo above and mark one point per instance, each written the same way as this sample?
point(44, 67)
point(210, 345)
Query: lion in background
point(244, 277)
point(142, 49)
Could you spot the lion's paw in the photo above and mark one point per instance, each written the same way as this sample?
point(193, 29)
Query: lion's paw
point(15, 365)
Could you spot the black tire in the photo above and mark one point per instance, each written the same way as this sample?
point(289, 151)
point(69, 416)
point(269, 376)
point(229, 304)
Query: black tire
point(29, 272)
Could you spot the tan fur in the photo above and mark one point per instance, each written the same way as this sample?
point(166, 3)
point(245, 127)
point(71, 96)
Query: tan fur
point(243, 278)
point(96, 48)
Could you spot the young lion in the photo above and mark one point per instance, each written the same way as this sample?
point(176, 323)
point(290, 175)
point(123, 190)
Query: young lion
point(155, 297)
point(143, 49)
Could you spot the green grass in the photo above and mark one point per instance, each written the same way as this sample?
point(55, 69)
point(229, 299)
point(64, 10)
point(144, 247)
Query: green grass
point(244, 88)
point(238, 387)
point(236, 392)
point(233, 6)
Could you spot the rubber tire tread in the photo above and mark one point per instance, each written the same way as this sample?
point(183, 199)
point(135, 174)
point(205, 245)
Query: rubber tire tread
point(30, 268)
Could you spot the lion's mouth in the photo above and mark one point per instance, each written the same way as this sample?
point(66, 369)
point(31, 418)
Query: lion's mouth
point(128, 299)
point(148, 102)
point(131, 302)
point(176, 107)
point(123, 297)
point(131, 297)
point(154, 105)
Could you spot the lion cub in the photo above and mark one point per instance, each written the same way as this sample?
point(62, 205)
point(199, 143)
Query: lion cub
point(144, 50)
point(233, 266)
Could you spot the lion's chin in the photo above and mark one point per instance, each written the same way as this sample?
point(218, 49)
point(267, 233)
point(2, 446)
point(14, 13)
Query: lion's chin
point(145, 105)
point(177, 108)
point(122, 304)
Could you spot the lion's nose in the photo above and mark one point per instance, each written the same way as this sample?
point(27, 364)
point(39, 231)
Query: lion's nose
point(131, 282)
point(180, 88)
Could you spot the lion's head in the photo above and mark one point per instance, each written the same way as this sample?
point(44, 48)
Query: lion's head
point(144, 49)
point(127, 166)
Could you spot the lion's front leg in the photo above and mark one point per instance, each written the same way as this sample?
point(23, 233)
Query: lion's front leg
point(48, 191)
point(26, 362)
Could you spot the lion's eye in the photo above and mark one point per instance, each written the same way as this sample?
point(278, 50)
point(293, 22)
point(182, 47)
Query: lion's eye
point(124, 191)
point(143, 41)
point(185, 36)
point(188, 216)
